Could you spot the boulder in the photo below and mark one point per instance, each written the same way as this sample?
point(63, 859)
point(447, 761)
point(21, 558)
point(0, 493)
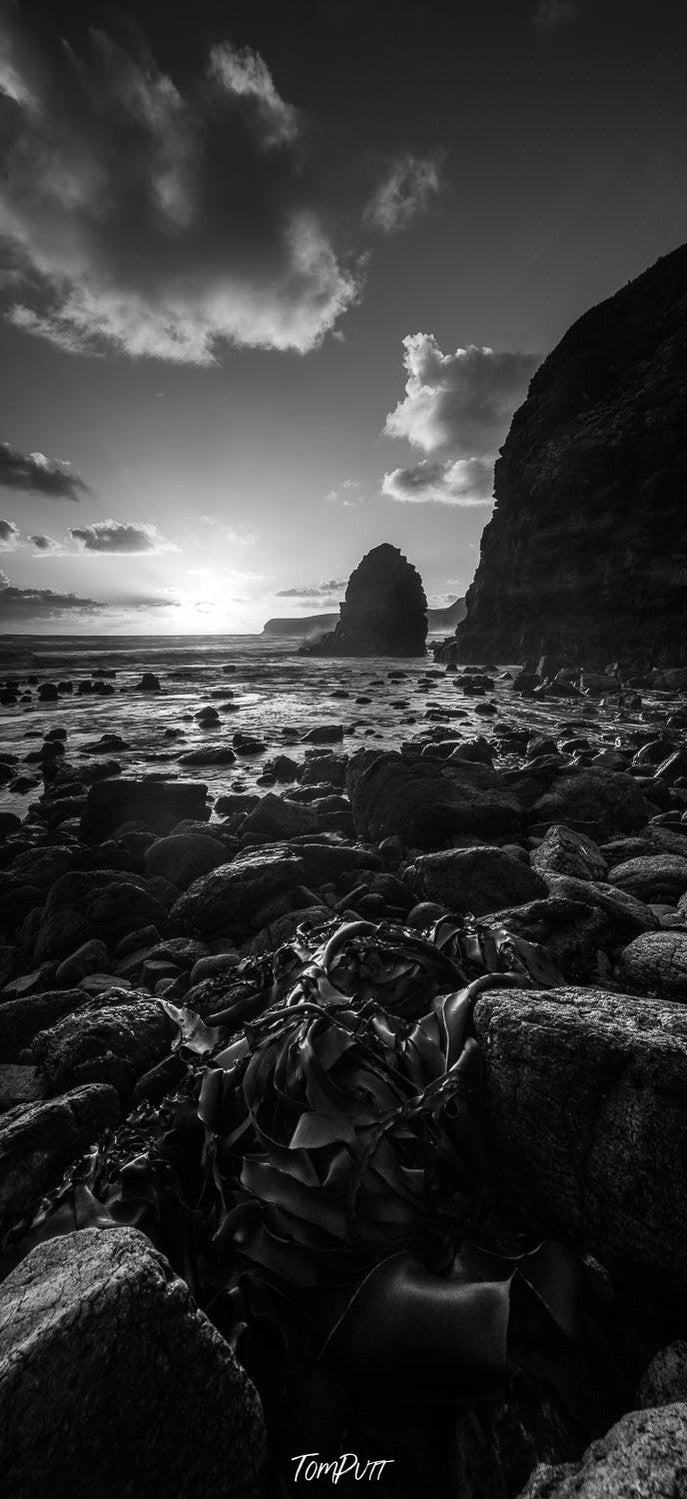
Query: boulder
point(40, 866)
point(655, 878)
point(572, 932)
point(628, 917)
point(225, 900)
point(113, 1383)
point(598, 802)
point(474, 879)
point(665, 1379)
point(158, 804)
point(113, 1039)
point(644, 1456)
point(21, 1019)
point(182, 858)
point(98, 903)
point(39, 1141)
point(276, 817)
point(585, 1092)
point(90, 957)
point(656, 963)
point(426, 804)
point(565, 852)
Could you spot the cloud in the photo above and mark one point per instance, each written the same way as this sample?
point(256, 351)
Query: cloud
point(41, 603)
point(44, 543)
point(120, 536)
point(9, 535)
point(551, 14)
point(408, 191)
point(52, 477)
point(345, 495)
point(313, 591)
point(464, 481)
point(461, 403)
point(159, 221)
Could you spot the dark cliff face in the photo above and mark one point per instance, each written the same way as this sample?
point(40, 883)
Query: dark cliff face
point(586, 553)
point(384, 612)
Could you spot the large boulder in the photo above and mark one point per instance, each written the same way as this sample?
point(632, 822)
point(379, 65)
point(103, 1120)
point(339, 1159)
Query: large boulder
point(585, 556)
point(427, 804)
point(656, 963)
point(182, 858)
point(276, 817)
point(113, 1039)
point(226, 900)
point(628, 917)
point(586, 1098)
point(655, 879)
point(474, 879)
point(572, 932)
point(96, 903)
point(113, 1383)
point(158, 804)
point(597, 802)
point(21, 1019)
point(384, 612)
point(564, 852)
point(644, 1456)
point(39, 1141)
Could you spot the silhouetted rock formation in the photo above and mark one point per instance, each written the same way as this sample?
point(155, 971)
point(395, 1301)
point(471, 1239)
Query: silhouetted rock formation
point(310, 626)
point(384, 612)
point(585, 556)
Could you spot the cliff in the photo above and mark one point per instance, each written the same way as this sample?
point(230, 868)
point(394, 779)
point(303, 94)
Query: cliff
point(586, 553)
point(439, 622)
point(384, 612)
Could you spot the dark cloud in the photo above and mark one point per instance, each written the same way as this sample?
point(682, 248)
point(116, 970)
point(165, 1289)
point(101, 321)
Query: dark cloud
point(120, 536)
point(460, 403)
point(41, 603)
point(52, 477)
point(464, 481)
point(408, 190)
point(160, 221)
point(44, 543)
point(9, 535)
point(313, 591)
point(552, 14)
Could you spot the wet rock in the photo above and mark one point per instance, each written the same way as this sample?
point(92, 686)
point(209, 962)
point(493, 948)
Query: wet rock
point(474, 879)
point(427, 805)
point(327, 769)
point(628, 917)
point(655, 878)
point(599, 802)
point(656, 963)
point(182, 858)
point(90, 957)
point(212, 754)
point(112, 1039)
point(276, 817)
point(665, 1380)
point(159, 805)
point(99, 904)
point(572, 932)
point(226, 899)
point(39, 1141)
point(643, 1456)
point(572, 1076)
point(565, 852)
point(21, 1019)
point(148, 683)
point(109, 1373)
point(19, 1084)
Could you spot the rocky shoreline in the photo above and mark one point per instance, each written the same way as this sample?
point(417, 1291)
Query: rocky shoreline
point(554, 865)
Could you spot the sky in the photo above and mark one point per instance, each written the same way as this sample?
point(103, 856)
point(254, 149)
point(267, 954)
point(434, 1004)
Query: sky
point(274, 278)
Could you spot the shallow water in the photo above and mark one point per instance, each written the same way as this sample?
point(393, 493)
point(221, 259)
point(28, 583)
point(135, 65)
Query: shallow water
point(269, 688)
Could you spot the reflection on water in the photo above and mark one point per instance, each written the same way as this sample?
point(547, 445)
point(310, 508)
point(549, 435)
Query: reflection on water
point(268, 688)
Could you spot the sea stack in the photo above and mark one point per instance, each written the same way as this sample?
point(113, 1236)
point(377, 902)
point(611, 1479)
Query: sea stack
point(384, 612)
point(585, 557)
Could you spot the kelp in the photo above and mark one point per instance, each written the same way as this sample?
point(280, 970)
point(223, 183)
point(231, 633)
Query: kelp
point(322, 1180)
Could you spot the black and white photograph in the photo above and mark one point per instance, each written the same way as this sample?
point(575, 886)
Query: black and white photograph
point(343, 749)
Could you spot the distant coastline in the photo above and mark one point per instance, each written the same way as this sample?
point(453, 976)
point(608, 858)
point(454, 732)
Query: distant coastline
point(439, 621)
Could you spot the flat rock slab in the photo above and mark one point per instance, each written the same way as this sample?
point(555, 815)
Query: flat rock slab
point(113, 1384)
point(644, 1456)
point(39, 1141)
point(587, 1097)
